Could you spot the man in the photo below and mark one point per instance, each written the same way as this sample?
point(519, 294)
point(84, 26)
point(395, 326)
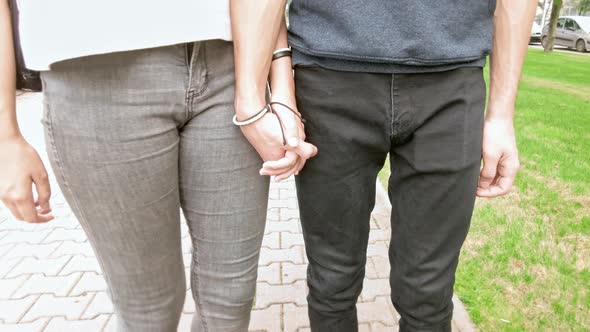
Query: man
point(402, 77)
point(138, 125)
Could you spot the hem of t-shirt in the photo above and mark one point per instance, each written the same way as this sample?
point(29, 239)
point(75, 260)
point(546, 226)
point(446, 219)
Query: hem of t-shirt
point(47, 65)
point(303, 59)
point(407, 61)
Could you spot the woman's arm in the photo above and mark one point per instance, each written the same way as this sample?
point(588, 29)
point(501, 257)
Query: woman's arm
point(282, 87)
point(20, 165)
point(255, 29)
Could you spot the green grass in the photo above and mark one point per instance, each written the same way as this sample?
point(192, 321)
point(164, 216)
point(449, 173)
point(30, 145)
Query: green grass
point(526, 263)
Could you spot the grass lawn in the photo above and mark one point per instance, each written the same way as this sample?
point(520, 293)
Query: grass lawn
point(526, 263)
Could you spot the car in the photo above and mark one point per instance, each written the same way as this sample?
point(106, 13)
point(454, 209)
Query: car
point(536, 32)
point(571, 31)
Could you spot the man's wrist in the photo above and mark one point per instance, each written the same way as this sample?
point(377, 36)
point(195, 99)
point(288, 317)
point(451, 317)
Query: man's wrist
point(288, 99)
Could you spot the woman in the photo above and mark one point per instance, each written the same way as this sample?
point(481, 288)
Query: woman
point(138, 108)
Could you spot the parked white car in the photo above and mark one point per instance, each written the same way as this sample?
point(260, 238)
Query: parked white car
point(571, 31)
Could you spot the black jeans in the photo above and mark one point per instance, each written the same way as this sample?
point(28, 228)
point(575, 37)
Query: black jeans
point(432, 126)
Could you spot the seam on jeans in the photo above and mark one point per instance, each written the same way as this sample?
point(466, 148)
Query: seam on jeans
point(393, 93)
point(198, 59)
point(197, 286)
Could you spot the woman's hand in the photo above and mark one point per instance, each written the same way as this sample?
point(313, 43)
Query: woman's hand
point(297, 151)
point(20, 168)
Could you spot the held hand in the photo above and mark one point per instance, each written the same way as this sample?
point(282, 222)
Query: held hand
point(297, 150)
point(500, 159)
point(266, 137)
point(20, 168)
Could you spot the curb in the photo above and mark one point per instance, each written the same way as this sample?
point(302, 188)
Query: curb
point(381, 214)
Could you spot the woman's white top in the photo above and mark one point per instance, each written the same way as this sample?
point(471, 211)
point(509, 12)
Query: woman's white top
point(55, 30)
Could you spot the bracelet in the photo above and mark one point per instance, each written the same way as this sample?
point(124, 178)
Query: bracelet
point(252, 119)
point(280, 53)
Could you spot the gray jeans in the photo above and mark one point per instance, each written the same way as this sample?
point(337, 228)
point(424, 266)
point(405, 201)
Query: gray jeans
point(135, 136)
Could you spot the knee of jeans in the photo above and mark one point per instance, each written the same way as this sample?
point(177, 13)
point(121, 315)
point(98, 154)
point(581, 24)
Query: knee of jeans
point(422, 308)
point(335, 290)
point(148, 312)
point(230, 296)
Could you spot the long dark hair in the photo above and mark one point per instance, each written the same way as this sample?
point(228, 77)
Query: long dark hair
point(25, 79)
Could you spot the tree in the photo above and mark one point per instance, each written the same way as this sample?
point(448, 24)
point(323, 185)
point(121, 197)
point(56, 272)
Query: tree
point(552, 25)
point(583, 6)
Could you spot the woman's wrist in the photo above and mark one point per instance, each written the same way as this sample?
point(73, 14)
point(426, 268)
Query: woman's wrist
point(248, 105)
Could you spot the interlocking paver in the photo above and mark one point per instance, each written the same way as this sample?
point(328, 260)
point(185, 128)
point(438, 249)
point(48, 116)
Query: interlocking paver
point(272, 294)
point(111, 325)
point(288, 193)
point(270, 274)
point(9, 286)
point(379, 235)
point(295, 317)
point(273, 214)
point(291, 226)
point(10, 224)
point(271, 241)
point(293, 272)
point(59, 324)
point(50, 306)
point(290, 239)
point(380, 310)
point(81, 264)
point(286, 214)
point(383, 263)
point(11, 311)
point(31, 250)
point(31, 265)
point(282, 203)
point(373, 288)
point(267, 319)
point(61, 234)
point(100, 304)
point(6, 265)
point(36, 326)
point(378, 248)
point(73, 248)
point(371, 269)
point(41, 284)
point(29, 236)
point(293, 255)
point(89, 282)
point(5, 248)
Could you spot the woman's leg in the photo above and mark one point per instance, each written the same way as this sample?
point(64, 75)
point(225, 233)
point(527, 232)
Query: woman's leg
point(111, 128)
point(223, 197)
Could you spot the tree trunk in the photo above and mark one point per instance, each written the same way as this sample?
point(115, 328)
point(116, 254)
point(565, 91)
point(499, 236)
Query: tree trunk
point(553, 25)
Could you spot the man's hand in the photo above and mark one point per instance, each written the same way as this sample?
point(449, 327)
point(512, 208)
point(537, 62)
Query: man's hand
point(500, 158)
point(297, 150)
point(20, 168)
point(266, 136)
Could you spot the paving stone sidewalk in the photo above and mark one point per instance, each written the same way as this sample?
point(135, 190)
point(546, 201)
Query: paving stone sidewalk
point(50, 279)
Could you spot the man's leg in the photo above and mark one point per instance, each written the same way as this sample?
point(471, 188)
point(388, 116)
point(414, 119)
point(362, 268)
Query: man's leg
point(223, 197)
point(435, 162)
point(349, 120)
point(110, 124)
